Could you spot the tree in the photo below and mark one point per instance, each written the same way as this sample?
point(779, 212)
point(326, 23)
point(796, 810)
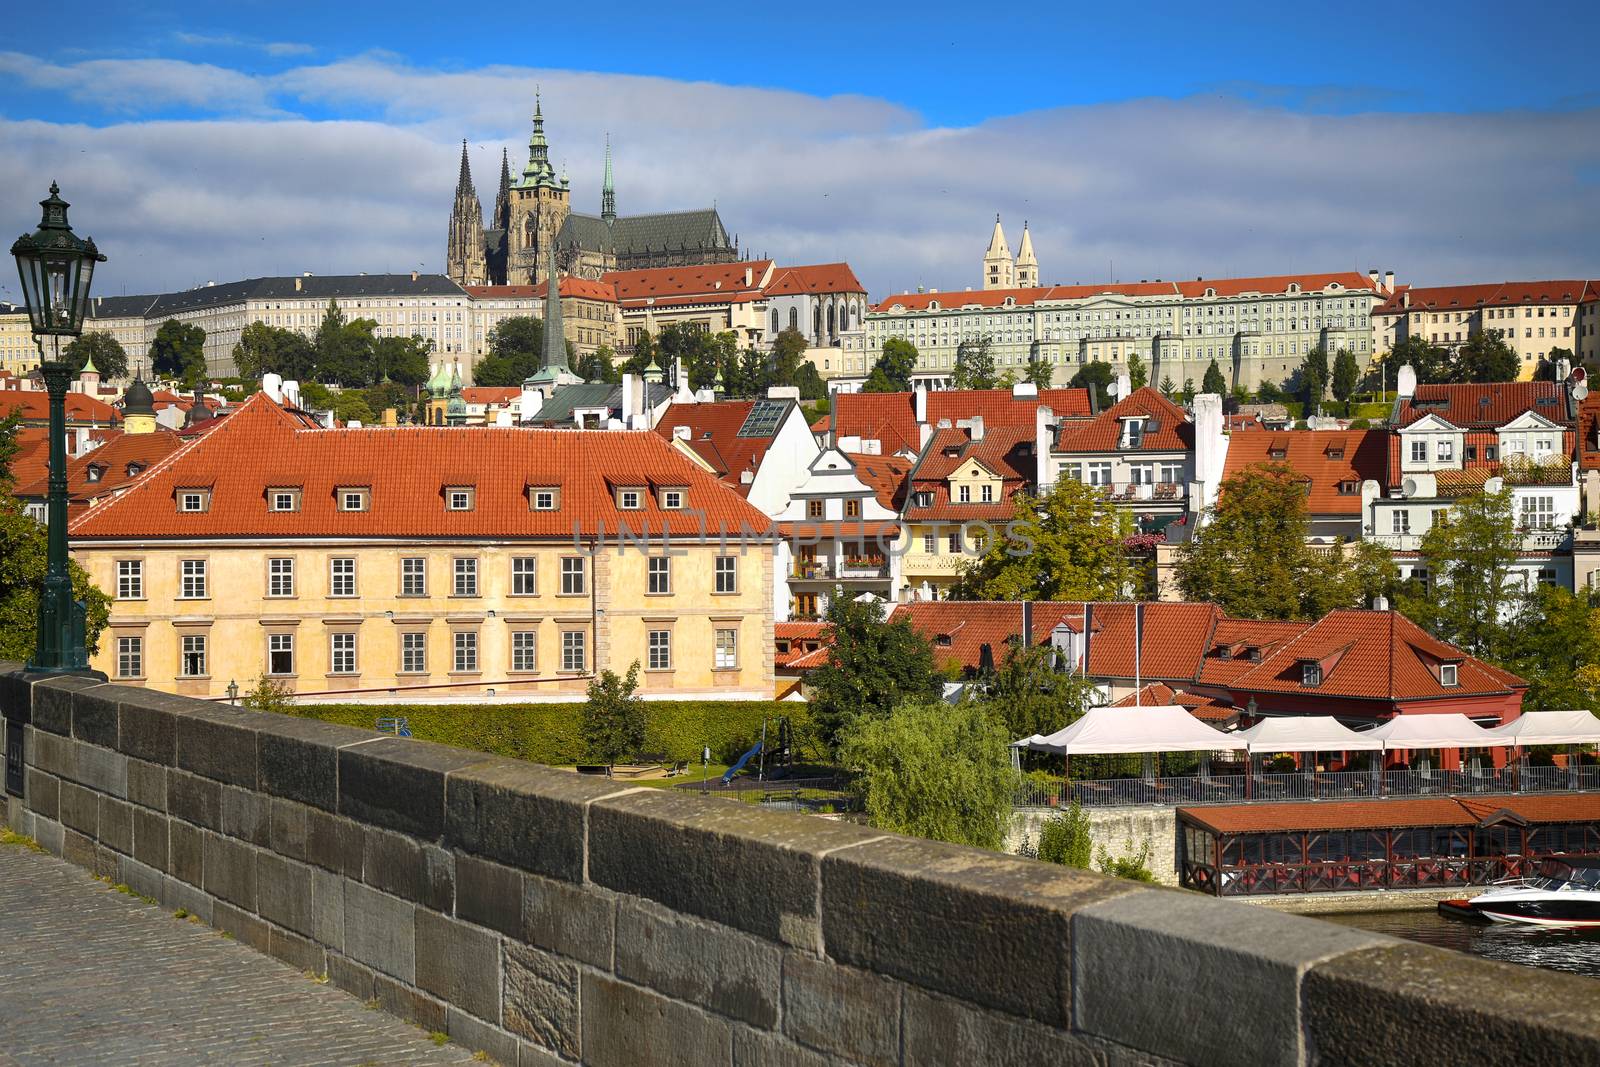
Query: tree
point(1097, 376)
point(106, 351)
point(9, 423)
point(1065, 545)
point(892, 372)
point(1346, 376)
point(1251, 556)
point(597, 367)
point(935, 771)
point(179, 351)
point(1040, 373)
point(515, 346)
point(350, 405)
point(788, 356)
point(1554, 642)
point(264, 349)
point(812, 387)
point(1468, 557)
point(1187, 394)
point(403, 360)
point(873, 665)
point(974, 365)
point(1067, 838)
point(1030, 695)
point(613, 723)
point(1166, 386)
point(1313, 375)
point(1138, 373)
point(1214, 382)
point(1485, 358)
point(1431, 364)
point(269, 694)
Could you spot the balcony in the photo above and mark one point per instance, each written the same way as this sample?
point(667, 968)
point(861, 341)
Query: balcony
point(1141, 492)
point(866, 568)
point(1532, 540)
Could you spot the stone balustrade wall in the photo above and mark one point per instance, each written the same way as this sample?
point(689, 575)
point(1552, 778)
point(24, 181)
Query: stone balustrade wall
point(546, 918)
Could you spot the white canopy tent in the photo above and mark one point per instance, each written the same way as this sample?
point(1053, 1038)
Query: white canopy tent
point(1113, 731)
point(1309, 733)
point(1551, 728)
point(1453, 730)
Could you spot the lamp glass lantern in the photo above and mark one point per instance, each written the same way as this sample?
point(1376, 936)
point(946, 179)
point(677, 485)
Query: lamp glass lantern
point(56, 267)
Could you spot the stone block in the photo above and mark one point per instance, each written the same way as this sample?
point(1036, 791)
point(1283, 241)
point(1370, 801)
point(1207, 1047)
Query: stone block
point(101, 769)
point(327, 908)
point(245, 928)
point(945, 1032)
point(246, 815)
point(176, 894)
point(380, 931)
point(758, 1048)
point(16, 692)
point(573, 920)
point(49, 833)
point(52, 701)
point(851, 1013)
point(410, 1004)
point(230, 870)
point(185, 853)
point(424, 874)
point(43, 792)
point(756, 870)
point(116, 824)
point(79, 850)
point(719, 968)
point(488, 894)
point(473, 1033)
point(147, 784)
point(535, 1056)
point(298, 952)
point(219, 743)
point(51, 753)
point(194, 800)
point(283, 892)
point(625, 1026)
point(334, 843)
point(399, 784)
point(1135, 958)
point(80, 808)
point(1411, 1004)
point(299, 759)
point(459, 963)
point(141, 878)
point(352, 977)
point(288, 828)
point(147, 723)
point(541, 998)
point(521, 814)
point(991, 928)
point(94, 715)
point(150, 838)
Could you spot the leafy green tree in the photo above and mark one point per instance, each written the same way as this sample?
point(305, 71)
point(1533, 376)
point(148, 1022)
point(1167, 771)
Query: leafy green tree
point(1040, 373)
point(268, 694)
point(1554, 642)
point(1187, 395)
point(788, 357)
point(1166, 386)
point(515, 347)
point(1431, 363)
point(403, 360)
point(613, 726)
point(179, 351)
point(350, 405)
point(1214, 382)
point(1067, 838)
point(10, 421)
point(1252, 559)
point(1485, 358)
point(1313, 375)
point(1269, 392)
point(934, 771)
point(1065, 545)
point(263, 349)
point(1468, 556)
point(1138, 373)
point(644, 350)
point(812, 387)
point(1029, 695)
point(892, 372)
point(873, 665)
point(974, 365)
point(1346, 376)
point(106, 351)
point(1097, 376)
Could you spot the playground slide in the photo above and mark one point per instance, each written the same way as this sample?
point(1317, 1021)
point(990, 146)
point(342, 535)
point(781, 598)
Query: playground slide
point(737, 767)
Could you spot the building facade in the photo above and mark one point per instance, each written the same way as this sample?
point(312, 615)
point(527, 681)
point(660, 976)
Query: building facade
point(18, 352)
point(1534, 318)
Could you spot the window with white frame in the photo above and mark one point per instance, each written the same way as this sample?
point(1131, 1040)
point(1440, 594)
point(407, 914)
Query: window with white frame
point(573, 576)
point(986, 492)
point(342, 576)
point(672, 499)
point(1538, 512)
point(726, 654)
point(466, 576)
point(192, 579)
point(660, 650)
point(1142, 474)
point(1444, 450)
point(353, 499)
point(342, 653)
point(1419, 451)
point(466, 652)
point(130, 579)
point(280, 576)
point(1099, 473)
point(573, 650)
point(1170, 473)
point(930, 543)
point(1400, 520)
point(280, 653)
point(413, 576)
point(727, 574)
point(1311, 674)
point(964, 494)
point(194, 500)
point(130, 657)
point(524, 650)
point(1447, 674)
point(544, 499)
point(524, 576)
point(659, 575)
point(283, 499)
point(629, 499)
point(413, 652)
point(459, 498)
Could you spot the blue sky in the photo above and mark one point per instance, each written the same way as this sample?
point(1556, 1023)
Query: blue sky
point(1451, 143)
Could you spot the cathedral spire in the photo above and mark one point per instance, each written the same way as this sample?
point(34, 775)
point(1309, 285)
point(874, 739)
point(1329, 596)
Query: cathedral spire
point(555, 335)
point(999, 270)
point(1027, 265)
point(464, 181)
point(538, 171)
point(608, 191)
point(502, 199)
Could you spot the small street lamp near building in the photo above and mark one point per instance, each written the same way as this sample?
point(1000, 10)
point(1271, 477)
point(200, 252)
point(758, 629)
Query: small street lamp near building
point(233, 691)
point(56, 267)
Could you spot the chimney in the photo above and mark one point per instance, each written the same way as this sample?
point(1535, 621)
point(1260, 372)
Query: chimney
point(1124, 385)
point(920, 392)
point(299, 284)
point(1022, 389)
point(1380, 603)
point(1405, 299)
point(413, 275)
point(1210, 447)
point(1372, 276)
point(272, 385)
point(626, 413)
point(1088, 632)
point(1027, 624)
point(976, 428)
point(749, 277)
point(291, 392)
point(1388, 280)
point(682, 433)
point(1042, 441)
point(532, 401)
point(1405, 381)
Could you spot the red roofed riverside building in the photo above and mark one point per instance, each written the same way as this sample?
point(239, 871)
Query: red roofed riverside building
point(1533, 317)
point(393, 563)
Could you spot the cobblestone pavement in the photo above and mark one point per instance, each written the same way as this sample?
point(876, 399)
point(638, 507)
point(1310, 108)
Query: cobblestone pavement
point(92, 976)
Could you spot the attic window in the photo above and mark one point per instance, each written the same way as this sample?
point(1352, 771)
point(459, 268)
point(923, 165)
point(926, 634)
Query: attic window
point(283, 500)
point(544, 498)
point(672, 499)
point(355, 498)
point(630, 499)
point(1253, 654)
point(135, 469)
point(1348, 488)
point(1276, 452)
point(1132, 433)
point(95, 472)
point(1447, 674)
point(459, 497)
point(943, 640)
point(1310, 674)
point(1336, 452)
point(1224, 652)
point(923, 498)
point(194, 500)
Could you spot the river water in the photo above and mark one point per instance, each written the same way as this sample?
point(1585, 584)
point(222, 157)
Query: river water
point(1577, 951)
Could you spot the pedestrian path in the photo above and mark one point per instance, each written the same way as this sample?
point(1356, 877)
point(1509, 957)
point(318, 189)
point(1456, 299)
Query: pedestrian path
point(89, 975)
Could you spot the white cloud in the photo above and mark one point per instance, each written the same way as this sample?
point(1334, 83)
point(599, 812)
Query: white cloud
point(1153, 188)
point(141, 86)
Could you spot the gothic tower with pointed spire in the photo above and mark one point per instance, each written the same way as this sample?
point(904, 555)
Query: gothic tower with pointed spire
point(539, 205)
point(464, 253)
point(999, 271)
point(1027, 265)
point(608, 190)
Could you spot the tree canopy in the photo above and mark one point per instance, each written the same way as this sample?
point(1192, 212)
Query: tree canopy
point(1138, 373)
point(974, 365)
point(1097, 376)
point(516, 351)
point(179, 351)
point(1213, 381)
point(873, 665)
point(1313, 379)
point(106, 351)
point(1029, 695)
point(1485, 358)
point(613, 725)
point(1065, 545)
point(1346, 377)
point(892, 372)
point(1470, 593)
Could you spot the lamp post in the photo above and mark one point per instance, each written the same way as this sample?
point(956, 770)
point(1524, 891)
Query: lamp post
point(233, 692)
point(56, 267)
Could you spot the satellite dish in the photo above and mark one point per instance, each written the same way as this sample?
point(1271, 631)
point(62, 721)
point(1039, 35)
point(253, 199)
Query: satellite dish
point(1580, 388)
point(1408, 488)
point(1493, 485)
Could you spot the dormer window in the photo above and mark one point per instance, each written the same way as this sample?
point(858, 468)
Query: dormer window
point(943, 640)
point(1132, 433)
point(672, 499)
point(459, 497)
point(922, 499)
point(1448, 674)
point(544, 498)
point(354, 498)
point(1252, 653)
point(630, 499)
point(194, 500)
point(135, 469)
point(1336, 452)
point(1348, 488)
point(1277, 453)
point(1310, 673)
point(283, 499)
point(95, 472)
point(1224, 652)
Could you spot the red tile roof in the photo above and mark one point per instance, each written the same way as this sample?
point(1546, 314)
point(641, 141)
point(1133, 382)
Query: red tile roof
point(1167, 426)
point(808, 644)
point(580, 288)
point(707, 283)
point(714, 435)
point(1234, 641)
point(1277, 283)
point(885, 475)
point(1006, 452)
point(1589, 431)
point(1492, 294)
point(817, 278)
point(1326, 459)
point(140, 451)
point(34, 404)
point(958, 630)
point(490, 394)
point(1486, 406)
point(1046, 293)
point(1208, 709)
point(892, 417)
point(407, 468)
point(1392, 813)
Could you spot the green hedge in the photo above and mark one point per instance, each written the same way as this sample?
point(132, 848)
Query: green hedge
point(549, 733)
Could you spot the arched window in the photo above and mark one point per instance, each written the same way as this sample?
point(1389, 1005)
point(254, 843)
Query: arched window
point(831, 330)
point(816, 320)
point(774, 320)
point(794, 318)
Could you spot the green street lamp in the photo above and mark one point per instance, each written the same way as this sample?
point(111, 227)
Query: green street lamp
point(56, 267)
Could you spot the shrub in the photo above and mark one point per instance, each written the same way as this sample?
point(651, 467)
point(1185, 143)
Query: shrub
point(1066, 838)
point(613, 725)
point(1135, 868)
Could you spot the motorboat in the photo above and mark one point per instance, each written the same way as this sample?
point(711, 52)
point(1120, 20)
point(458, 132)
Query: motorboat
point(1564, 892)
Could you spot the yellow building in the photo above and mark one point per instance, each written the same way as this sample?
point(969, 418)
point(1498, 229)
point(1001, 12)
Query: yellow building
point(18, 352)
point(1533, 318)
point(416, 564)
